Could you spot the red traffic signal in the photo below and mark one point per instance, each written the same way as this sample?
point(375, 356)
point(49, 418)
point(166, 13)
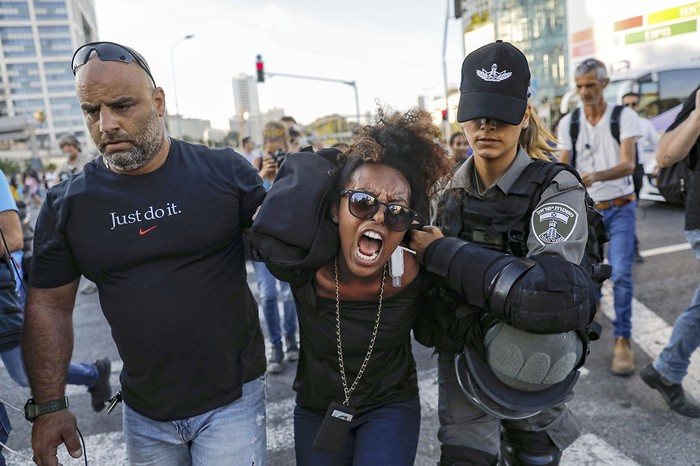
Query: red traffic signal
point(260, 68)
point(444, 114)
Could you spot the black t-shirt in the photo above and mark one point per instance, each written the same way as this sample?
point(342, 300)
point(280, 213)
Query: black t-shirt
point(692, 200)
point(166, 252)
point(390, 375)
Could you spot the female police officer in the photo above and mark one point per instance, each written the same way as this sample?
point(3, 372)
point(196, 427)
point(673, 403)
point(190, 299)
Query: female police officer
point(525, 309)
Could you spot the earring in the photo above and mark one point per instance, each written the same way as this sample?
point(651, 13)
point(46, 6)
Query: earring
point(526, 125)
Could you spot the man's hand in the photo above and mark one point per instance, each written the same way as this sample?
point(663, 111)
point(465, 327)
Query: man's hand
point(588, 178)
point(51, 430)
point(421, 239)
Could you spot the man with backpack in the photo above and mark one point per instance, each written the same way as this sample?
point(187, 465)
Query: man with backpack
point(666, 373)
point(606, 164)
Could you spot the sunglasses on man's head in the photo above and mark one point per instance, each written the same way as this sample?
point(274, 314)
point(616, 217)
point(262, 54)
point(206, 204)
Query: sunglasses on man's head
point(364, 206)
point(109, 51)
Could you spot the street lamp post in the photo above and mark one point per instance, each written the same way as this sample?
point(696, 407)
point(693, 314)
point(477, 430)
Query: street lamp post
point(172, 65)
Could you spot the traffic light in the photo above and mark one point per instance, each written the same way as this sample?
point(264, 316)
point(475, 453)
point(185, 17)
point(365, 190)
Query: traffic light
point(444, 114)
point(260, 67)
point(459, 9)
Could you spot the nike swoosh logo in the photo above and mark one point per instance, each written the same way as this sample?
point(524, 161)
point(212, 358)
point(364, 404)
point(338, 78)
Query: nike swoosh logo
point(143, 232)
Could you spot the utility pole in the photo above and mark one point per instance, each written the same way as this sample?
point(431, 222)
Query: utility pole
point(172, 66)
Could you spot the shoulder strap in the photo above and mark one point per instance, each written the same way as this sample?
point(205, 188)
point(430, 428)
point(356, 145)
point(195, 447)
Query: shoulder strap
point(574, 127)
point(615, 122)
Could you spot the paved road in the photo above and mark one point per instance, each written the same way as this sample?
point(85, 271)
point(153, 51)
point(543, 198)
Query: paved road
point(624, 422)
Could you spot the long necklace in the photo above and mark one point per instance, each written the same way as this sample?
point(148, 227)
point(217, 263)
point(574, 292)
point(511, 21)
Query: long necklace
point(348, 391)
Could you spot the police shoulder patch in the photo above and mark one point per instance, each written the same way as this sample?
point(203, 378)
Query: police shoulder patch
point(553, 222)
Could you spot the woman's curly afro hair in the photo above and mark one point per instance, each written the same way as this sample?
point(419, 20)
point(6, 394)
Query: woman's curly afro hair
point(408, 142)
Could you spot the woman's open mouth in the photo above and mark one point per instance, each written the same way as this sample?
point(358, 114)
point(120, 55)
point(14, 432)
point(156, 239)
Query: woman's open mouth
point(369, 246)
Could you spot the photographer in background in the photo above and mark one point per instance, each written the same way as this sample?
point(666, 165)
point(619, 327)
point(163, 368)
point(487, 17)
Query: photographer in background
point(275, 147)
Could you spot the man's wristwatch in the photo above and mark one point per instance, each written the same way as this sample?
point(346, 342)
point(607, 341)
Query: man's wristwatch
point(32, 411)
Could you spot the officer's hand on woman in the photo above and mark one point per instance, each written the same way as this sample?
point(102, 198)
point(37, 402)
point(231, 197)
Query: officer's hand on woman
point(421, 239)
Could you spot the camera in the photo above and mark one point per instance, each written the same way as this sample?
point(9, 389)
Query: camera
point(279, 157)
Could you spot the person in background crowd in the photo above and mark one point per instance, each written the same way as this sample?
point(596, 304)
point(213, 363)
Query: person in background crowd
point(32, 189)
point(249, 152)
point(297, 139)
point(646, 144)
point(176, 297)
point(606, 169)
point(288, 121)
point(459, 148)
point(666, 373)
point(75, 158)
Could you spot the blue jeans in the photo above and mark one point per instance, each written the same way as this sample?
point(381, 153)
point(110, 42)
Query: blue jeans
point(78, 373)
point(5, 428)
point(674, 360)
point(386, 435)
point(620, 222)
point(231, 435)
point(267, 289)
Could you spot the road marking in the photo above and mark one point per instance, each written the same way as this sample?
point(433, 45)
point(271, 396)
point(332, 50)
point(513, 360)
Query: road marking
point(591, 450)
point(109, 448)
point(665, 250)
point(651, 333)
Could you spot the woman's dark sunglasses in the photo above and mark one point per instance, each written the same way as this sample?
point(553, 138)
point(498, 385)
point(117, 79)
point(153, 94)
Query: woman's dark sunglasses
point(364, 206)
point(109, 51)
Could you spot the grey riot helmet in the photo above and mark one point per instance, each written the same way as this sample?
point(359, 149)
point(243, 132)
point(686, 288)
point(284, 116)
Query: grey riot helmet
point(524, 373)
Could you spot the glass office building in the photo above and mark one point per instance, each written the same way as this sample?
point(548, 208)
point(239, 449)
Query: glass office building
point(538, 28)
point(37, 39)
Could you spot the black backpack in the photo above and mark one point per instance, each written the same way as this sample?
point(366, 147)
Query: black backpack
point(673, 182)
point(575, 126)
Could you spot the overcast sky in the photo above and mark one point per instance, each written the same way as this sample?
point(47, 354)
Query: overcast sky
point(393, 50)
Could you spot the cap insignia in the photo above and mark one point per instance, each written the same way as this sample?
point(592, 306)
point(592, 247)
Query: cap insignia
point(493, 75)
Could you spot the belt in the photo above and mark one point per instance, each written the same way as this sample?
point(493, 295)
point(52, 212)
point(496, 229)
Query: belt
point(617, 202)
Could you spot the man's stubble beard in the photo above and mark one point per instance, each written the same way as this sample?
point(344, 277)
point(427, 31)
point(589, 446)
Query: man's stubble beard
point(146, 146)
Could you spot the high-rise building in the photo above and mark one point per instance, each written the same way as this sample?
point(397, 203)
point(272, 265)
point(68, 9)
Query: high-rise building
point(247, 120)
point(37, 40)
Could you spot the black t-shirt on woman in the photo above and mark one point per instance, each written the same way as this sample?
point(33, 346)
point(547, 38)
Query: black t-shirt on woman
point(390, 375)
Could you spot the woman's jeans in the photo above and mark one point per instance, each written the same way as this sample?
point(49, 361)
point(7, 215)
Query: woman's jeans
point(231, 435)
point(386, 435)
point(674, 360)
